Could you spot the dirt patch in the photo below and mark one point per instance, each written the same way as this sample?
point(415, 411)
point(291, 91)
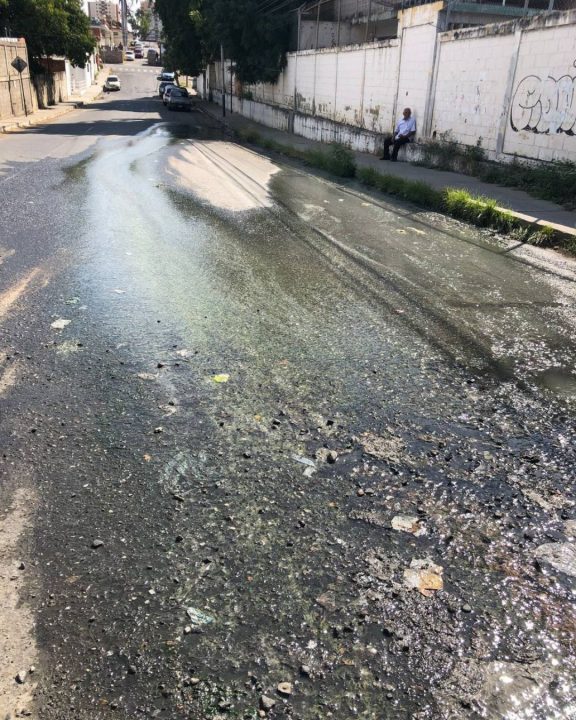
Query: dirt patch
point(17, 643)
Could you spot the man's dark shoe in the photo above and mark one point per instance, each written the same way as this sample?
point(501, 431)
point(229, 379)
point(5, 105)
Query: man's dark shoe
point(394, 159)
point(385, 157)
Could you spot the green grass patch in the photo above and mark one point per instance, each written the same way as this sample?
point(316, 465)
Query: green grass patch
point(457, 203)
point(555, 181)
point(417, 192)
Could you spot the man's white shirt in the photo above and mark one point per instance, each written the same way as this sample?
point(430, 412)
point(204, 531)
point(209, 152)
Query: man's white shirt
point(405, 127)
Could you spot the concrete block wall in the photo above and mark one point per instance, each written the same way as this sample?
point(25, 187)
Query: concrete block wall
point(510, 86)
point(470, 88)
point(542, 113)
point(354, 85)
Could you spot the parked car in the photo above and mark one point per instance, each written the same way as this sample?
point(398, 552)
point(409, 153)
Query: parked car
point(112, 83)
point(129, 55)
point(162, 87)
point(165, 75)
point(178, 98)
point(167, 92)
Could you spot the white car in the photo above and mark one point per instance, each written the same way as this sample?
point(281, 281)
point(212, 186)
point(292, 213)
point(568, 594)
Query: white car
point(112, 83)
point(129, 55)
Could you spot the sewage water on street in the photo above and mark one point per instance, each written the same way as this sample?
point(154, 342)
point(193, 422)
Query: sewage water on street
point(320, 452)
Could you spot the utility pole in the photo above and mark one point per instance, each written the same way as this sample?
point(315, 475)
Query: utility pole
point(223, 80)
point(124, 10)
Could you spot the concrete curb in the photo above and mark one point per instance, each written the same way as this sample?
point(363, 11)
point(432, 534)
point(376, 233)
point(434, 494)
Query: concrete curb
point(529, 221)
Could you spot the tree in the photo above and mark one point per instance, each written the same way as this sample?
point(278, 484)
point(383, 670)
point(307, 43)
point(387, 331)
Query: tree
point(255, 34)
point(50, 27)
point(183, 21)
point(255, 39)
point(141, 23)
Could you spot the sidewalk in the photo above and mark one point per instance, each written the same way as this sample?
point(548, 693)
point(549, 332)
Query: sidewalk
point(40, 117)
point(528, 209)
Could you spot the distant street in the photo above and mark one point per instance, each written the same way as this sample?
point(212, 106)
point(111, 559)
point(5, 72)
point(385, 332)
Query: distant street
point(272, 446)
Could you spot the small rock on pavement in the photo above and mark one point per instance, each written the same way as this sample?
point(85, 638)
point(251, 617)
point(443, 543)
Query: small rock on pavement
point(285, 688)
point(305, 670)
point(562, 556)
point(332, 457)
point(267, 703)
point(97, 543)
point(21, 677)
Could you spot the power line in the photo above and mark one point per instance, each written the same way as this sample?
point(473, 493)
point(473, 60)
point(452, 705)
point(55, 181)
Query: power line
point(271, 6)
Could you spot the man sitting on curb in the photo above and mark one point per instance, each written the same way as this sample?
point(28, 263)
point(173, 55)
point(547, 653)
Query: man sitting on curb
point(405, 131)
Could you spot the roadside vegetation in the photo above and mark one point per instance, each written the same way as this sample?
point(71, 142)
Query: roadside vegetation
point(554, 181)
point(254, 36)
point(457, 203)
point(51, 27)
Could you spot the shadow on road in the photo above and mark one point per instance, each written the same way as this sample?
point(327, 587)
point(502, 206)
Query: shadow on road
point(98, 128)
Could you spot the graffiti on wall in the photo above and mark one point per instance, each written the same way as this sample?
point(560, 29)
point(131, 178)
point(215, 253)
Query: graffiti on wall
point(545, 105)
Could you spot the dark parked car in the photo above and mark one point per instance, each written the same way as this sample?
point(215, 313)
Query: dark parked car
point(167, 91)
point(162, 87)
point(177, 98)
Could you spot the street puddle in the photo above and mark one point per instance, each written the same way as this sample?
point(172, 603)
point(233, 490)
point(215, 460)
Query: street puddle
point(559, 381)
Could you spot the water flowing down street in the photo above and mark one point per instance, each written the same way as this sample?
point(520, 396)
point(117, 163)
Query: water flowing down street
point(272, 446)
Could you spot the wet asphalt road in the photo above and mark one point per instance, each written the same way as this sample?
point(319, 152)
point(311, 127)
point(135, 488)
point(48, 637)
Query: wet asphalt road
point(272, 429)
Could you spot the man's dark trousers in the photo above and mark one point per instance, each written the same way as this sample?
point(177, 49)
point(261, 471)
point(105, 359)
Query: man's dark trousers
point(396, 145)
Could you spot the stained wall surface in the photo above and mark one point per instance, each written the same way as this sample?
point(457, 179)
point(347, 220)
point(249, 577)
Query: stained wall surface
point(16, 93)
point(508, 87)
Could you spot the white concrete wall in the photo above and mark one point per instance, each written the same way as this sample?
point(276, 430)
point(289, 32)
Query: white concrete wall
point(542, 113)
point(509, 86)
point(354, 85)
point(79, 79)
point(417, 29)
point(512, 86)
point(470, 88)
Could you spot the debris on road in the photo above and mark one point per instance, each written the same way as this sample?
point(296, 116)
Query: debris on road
point(408, 524)
point(390, 448)
point(198, 618)
point(60, 324)
point(562, 556)
point(267, 703)
point(147, 376)
point(424, 576)
point(304, 460)
point(222, 378)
